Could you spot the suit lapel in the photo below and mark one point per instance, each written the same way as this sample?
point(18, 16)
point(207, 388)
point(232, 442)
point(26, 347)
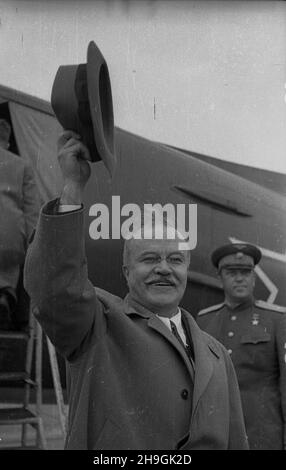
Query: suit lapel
point(156, 324)
point(203, 359)
point(131, 307)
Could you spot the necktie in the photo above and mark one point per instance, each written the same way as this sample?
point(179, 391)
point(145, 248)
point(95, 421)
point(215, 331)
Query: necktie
point(186, 347)
point(176, 334)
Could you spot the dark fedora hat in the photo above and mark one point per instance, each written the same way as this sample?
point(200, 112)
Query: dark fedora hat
point(82, 102)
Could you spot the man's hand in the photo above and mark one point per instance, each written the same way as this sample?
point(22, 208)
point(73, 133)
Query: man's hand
point(73, 158)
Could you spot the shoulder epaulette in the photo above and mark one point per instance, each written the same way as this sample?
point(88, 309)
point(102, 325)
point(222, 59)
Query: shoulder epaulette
point(268, 306)
point(213, 308)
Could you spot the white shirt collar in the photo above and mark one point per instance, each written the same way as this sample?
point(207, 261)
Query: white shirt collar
point(177, 319)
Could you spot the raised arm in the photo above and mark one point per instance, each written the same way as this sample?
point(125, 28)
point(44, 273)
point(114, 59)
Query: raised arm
point(62, 298)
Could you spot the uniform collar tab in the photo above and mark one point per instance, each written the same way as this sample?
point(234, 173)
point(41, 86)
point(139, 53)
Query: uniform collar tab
point(241, 305)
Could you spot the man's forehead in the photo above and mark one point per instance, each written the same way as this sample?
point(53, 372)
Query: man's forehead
point(139, 246)
point(158, 232)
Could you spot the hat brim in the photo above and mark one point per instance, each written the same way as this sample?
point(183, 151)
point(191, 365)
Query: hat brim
point(101, 106)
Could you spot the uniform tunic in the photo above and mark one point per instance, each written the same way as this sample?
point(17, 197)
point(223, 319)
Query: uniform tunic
point(254, 334)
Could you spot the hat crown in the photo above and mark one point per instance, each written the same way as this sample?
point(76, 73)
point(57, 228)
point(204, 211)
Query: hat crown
point(82, 101)
point(237, 260)
point(236, 254)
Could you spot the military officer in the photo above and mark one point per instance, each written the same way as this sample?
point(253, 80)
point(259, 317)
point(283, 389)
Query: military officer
point(254, 333)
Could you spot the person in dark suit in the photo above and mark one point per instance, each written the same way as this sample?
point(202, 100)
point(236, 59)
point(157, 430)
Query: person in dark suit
point(141, 374)
point(19, 210)
point(254, 333)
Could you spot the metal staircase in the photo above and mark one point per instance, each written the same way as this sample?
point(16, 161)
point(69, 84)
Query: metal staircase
point(22, 414)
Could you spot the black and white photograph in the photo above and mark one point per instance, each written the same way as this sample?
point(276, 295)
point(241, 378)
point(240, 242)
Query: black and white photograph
point(142, 228)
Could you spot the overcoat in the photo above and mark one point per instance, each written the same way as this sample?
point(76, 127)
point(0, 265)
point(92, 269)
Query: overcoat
point(131, 384)
point(255, 335)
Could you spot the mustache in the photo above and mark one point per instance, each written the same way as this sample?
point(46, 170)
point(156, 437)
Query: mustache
point(161, 280)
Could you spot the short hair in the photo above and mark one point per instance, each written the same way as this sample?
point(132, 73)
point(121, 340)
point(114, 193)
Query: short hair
point(5, 130)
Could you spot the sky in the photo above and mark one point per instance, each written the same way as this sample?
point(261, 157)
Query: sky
point(205, 76)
